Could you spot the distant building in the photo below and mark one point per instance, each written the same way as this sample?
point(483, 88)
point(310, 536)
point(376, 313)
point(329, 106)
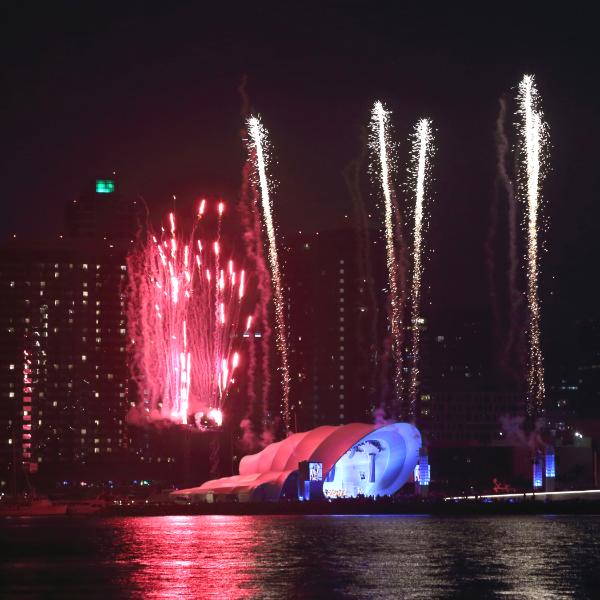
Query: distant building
point(102, 212)
point(63, 370)
point(332, 331)
point(588, 368)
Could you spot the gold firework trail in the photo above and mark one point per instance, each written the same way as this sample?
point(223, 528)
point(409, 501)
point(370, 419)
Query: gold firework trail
point(259, 144)
point(421, 152)
point(380, 145)
point(533, 138)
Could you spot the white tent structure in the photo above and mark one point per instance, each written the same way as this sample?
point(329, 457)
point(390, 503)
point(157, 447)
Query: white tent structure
point(346, 461)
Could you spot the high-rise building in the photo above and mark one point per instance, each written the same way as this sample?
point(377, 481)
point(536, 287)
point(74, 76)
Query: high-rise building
point(63, 371)
point(102, 212)
point(333, 350)
point(588, 368)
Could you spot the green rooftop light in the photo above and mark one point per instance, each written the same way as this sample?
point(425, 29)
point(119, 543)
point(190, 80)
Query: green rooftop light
point(105, 186)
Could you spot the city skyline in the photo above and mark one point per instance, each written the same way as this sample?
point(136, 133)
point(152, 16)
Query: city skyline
point(169, 145)
point(321, 187)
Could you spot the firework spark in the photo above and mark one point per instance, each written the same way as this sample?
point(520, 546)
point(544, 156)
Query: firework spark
point(380, 145)
point(421, 152)
point(258, 145)
point(533, 134)
point(183, 317)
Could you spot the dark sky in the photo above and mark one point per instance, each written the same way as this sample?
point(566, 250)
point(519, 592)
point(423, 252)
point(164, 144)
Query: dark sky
point(150, 90)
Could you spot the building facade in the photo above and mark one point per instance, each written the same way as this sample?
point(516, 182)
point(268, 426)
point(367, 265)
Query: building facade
point(62, 356)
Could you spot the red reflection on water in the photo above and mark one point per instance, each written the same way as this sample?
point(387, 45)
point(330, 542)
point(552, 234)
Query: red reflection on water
point(188, 557)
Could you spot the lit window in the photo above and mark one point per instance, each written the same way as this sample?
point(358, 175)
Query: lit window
point(11, 367)
point(83, 431)
point(84, 266)
point(83, 357)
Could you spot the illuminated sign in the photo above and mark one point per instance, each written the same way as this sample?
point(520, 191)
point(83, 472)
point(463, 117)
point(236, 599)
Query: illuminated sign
point(550, 463)
point(105, 186)
point(315, 471)
point(537, 473)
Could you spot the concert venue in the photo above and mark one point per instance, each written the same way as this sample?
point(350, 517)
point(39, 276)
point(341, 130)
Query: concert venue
point(346, 461)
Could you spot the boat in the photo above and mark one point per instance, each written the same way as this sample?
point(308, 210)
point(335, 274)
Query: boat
point(86, 507)
point(33, 507)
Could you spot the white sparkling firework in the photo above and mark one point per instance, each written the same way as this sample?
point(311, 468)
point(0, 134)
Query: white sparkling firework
point(421, 153)
point(533, 137)
point(380, 146)
point(259, 145)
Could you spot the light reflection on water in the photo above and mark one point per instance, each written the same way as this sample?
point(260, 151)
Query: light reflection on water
point(301, 557)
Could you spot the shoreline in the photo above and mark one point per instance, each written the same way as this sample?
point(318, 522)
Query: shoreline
point(346, 508)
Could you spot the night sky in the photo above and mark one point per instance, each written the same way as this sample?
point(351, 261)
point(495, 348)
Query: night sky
point(151, 91)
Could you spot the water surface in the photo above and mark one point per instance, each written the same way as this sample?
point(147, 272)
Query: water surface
point(271, 557)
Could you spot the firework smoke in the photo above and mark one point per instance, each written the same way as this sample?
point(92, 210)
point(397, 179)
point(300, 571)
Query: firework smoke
point(421, 152)
point(258, 407)
point(363, 258)
point(533, 133)
point(258, 145)
point(503, 148)
point(185, 297)
point(380, 145)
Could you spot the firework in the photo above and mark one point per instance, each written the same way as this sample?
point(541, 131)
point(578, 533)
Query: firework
point(380, 146)
point(258, 145)
point(185, 299)
point(421, 151)
point(533, 133)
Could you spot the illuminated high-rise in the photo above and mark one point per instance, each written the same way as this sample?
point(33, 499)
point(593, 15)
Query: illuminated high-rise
point(63, 374)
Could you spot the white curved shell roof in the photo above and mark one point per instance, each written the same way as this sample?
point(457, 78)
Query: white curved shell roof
point(263, 475)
